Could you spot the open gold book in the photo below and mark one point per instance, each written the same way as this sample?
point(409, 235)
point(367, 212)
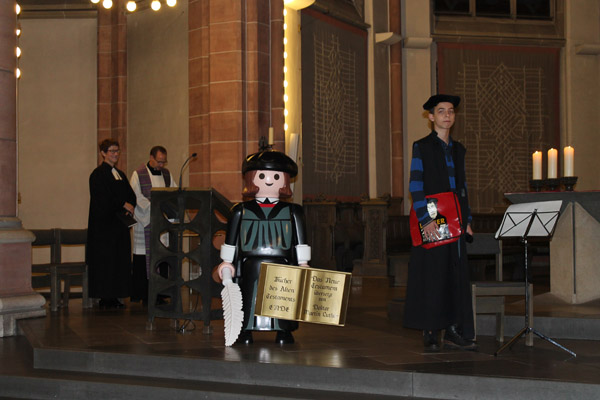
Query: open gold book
point(303, 294)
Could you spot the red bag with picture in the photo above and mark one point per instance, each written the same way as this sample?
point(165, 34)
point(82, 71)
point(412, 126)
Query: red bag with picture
point(445, 210)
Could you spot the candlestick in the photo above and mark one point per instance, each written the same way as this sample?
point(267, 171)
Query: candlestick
point(271, 135)
point(569, 182)
point(536, 184)
point(552, 163)
point(569, 155)
point(537, 165)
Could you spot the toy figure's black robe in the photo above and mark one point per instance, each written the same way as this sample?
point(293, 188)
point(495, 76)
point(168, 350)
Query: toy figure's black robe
point(108, 250)
point(263, 234)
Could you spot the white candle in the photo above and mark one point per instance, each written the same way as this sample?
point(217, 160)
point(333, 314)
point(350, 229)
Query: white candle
point(569, 161)
point(537, 165)
point(552, 163)
point(271, 135)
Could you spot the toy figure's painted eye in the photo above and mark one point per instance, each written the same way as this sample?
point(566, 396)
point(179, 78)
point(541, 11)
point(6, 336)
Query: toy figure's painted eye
point(276, 176)
point(261, 176)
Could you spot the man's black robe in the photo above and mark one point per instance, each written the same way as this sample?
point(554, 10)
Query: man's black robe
point(438, 292)
point(108, 251)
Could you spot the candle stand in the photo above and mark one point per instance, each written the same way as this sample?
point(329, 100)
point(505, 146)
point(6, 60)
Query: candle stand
point(568, 182)
point(536, 184)
point(552, 184)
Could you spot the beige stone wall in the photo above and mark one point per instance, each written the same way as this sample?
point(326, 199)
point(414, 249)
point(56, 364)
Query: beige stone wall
point(57, 147)
point(416, 80)
point(57, 102)
point(581, 88)
point(380, 175)
point(157, 86)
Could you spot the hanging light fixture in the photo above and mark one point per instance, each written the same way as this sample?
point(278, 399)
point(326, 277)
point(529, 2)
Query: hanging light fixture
point(298, 4)
point(132, 5)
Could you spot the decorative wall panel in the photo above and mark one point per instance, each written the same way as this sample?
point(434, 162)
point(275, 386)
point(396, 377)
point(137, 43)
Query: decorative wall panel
point(333, 108)
point(509, 109)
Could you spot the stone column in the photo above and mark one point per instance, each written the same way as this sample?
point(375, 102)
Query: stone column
point(17, 299)
point(417, 84)
point(112, 77)
point(396, 120)
point(233, 96)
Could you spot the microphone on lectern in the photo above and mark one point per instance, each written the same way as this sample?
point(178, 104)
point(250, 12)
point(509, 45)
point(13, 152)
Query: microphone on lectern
point(183, 166)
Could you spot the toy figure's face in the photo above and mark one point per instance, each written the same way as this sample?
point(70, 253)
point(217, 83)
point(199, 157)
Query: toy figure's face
point(432, 209)
point(269, 183)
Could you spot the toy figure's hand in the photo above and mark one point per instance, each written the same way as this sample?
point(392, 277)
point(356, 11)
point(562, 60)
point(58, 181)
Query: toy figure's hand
point(224, 265)
point(430, 231)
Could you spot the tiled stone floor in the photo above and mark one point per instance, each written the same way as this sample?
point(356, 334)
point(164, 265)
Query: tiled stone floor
point(370, 340)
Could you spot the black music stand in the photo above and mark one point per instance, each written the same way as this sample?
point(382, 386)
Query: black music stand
point(526, 220)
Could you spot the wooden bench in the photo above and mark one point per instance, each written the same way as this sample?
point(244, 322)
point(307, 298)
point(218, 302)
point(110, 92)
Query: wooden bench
point(488, 297)
point(53, 273)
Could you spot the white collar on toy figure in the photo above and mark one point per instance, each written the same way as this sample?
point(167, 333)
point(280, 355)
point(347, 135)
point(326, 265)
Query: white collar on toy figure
point(272, 200)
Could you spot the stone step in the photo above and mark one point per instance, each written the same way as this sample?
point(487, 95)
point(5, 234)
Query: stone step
point(227, 372)
point(102, 387)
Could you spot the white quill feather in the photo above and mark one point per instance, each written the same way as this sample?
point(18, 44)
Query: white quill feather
point(233, 315)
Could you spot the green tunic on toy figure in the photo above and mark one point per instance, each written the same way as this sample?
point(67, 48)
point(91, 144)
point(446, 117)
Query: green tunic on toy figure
point(264, 230)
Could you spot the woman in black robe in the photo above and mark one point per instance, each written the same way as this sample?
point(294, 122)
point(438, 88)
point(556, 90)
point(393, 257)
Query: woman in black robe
point(108, 251)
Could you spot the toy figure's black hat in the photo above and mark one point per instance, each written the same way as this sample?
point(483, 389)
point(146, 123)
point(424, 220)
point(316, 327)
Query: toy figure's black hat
point(270, 160)
point(441, 98)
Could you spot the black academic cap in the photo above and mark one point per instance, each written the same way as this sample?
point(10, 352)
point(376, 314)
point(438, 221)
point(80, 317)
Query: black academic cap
point(440, 98)
point(270, 160)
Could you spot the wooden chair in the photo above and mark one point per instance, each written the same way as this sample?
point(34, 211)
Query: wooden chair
point(488, 297)
point(76, 271)
point(40, 273)
point(51, 274)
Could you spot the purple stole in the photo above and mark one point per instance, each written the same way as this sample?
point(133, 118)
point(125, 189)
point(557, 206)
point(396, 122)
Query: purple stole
point(146, 187)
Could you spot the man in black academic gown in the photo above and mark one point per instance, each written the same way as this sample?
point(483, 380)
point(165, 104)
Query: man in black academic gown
point(108, 251)
point(438, 294)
